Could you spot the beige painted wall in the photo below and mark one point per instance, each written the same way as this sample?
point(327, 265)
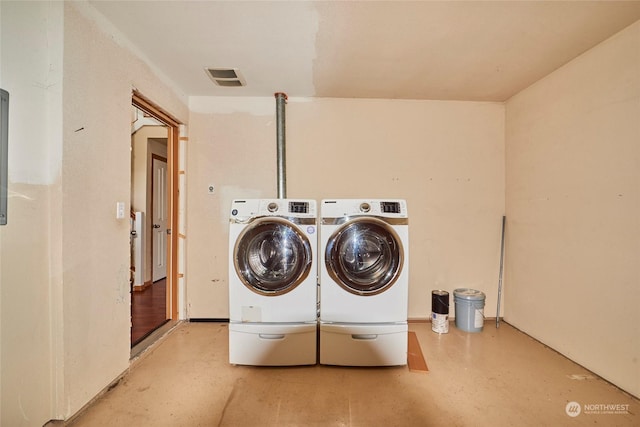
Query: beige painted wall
point(65, 303)
point(30, 242)
point(96, 175)
point(445, 158)
point(573, 209)
point(236, 153)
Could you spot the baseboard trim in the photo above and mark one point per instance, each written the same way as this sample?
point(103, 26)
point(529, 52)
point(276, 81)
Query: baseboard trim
point(139, 288)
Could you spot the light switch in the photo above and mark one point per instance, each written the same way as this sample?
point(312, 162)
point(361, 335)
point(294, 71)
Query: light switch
point(120, 210)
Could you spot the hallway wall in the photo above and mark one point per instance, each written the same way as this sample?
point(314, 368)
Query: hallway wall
point(65, 303)
point(96, 299)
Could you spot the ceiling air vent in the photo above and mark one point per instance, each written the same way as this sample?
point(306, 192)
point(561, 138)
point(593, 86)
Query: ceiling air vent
point(228, 77)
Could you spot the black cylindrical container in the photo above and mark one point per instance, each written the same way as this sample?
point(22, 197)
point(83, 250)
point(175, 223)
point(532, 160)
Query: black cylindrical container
point(440, 311)
point(440, 302)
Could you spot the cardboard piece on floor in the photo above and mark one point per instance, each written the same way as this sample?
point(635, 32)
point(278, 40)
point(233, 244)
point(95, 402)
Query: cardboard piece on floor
point(415, 359)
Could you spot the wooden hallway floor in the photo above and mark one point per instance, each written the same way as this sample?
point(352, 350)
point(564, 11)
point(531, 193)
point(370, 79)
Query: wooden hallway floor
point(148, 310)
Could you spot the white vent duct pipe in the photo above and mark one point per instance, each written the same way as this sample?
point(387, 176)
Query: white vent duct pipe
point(281, 100)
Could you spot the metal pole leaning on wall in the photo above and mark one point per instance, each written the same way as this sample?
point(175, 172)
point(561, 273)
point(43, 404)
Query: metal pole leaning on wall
point(504, 218)
point(281, 100)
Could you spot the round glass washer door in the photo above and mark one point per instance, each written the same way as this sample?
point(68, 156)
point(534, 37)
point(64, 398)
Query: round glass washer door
point(364, 256)
point(272, 257)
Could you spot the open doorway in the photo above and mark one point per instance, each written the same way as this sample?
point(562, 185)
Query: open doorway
point(154, 137)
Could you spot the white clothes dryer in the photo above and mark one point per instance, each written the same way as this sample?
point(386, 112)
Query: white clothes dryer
point(364, 282)
point(273, 282)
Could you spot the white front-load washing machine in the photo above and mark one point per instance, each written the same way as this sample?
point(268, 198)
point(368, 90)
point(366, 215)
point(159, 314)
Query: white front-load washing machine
point(364, 282)
point(273, 282)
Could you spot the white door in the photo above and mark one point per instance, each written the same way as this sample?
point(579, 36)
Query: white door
point(160, 220)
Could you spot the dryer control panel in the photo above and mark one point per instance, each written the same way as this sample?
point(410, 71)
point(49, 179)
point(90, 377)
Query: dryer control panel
point(286, 208)
point(390, 208)
point(299, 207)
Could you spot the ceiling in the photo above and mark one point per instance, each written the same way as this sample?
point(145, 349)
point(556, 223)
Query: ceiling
point(444, 50)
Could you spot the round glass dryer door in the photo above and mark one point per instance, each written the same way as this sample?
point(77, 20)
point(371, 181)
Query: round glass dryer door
point(272, 257)
point(365, 256)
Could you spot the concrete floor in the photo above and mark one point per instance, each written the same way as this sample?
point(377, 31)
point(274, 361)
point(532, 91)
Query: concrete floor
point(499, 377)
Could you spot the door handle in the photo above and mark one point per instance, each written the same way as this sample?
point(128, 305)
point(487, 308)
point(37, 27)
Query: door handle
point(156, 225)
